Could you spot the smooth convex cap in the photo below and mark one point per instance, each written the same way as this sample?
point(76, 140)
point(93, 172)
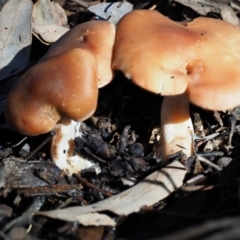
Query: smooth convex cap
point(147, 51)
point(163, 56)
point(98, 37)
point(64, 86)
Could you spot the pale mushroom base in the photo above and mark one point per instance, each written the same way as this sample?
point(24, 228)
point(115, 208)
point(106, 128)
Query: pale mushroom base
point(62, 148)
point(176, 127)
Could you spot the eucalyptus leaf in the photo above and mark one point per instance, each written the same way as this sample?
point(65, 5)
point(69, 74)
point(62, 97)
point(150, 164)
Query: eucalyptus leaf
point(15, 37)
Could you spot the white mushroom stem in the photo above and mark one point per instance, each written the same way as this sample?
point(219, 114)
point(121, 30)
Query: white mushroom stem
point(176, 127)
point(62, 147)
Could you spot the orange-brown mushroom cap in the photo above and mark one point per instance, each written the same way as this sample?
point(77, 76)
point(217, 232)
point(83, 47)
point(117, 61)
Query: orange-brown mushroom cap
point(61, 86)
point(165, 57)
point(214, 74)
point(147, 53)
point(98, 37)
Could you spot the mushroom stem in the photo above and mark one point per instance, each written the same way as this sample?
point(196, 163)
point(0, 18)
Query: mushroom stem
point(63, 145)
point(176, 127)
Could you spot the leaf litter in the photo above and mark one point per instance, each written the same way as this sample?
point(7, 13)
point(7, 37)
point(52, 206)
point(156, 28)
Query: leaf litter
point(37, 178)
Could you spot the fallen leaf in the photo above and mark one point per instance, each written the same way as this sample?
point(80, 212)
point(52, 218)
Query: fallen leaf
point(150, 190)
point(49, 21)
point(15, 37)
point(15, 173)
point(111, 12)
point(204, 7)
point(95, 219)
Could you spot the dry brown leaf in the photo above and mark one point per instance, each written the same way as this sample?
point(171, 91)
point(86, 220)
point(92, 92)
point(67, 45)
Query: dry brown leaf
point(92, 233)
point(49, 21)
point(15, 37)
point(152, 189)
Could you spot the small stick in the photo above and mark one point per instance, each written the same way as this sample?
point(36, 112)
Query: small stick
point(211, 154)
point(48, 138)
point(202, 159)
point(90, 185)
point(49, 190)
point(87, 150)
point(17, 144)
point(233, 121)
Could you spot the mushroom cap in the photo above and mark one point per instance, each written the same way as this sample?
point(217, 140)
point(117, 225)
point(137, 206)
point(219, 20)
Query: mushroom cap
point(61, 86)
point(96, 36)
point(147, 53)
point(163, 56)
point(214, 74)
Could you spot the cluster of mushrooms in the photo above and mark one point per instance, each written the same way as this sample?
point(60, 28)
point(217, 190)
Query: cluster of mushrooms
point(196, 62)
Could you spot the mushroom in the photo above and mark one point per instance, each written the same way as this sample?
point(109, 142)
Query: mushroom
point(58, 90)
point(61, 87)
point(98, 38)
point(196, 62)
point(95, 36)
point(79, 62)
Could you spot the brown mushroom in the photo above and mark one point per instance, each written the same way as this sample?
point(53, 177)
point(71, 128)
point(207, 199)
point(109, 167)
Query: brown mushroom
point(52, 94)
point(79, 62)
point(64, 86)
point(196, 62)
point(97, 37)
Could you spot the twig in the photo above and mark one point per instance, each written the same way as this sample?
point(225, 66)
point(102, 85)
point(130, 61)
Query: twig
point(232, 121)
point(191, 188)
point(49, 137)
point(211, 154)
point(49, 190)
point(90, 185)
point(87, 150)
point(202, 159)
point(17, 144)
